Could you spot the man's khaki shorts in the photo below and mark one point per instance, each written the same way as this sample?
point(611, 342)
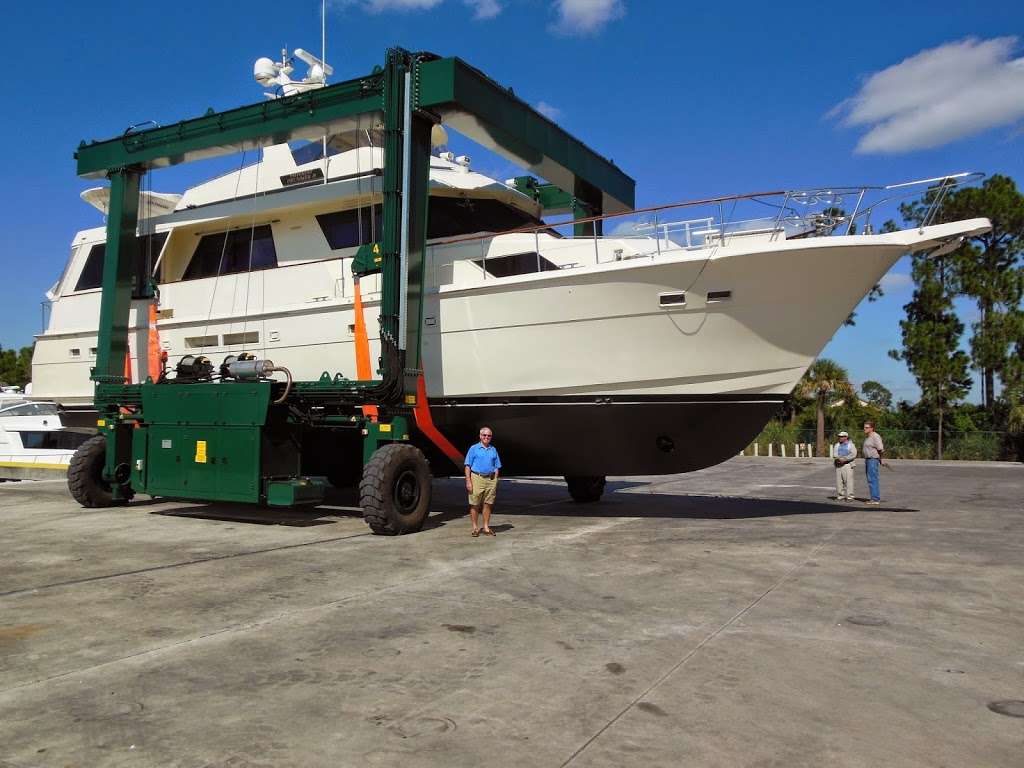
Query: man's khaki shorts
point(485, 490)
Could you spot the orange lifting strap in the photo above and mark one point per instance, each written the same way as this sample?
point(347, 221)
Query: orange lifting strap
point(362, 349)
point(425, 423)
point(153, 357)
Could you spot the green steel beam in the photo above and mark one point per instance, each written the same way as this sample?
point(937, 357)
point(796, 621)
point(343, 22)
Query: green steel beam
point(494, 117)
point(116, 298)
point(309, 115)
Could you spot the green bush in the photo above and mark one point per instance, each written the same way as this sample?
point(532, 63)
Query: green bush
point(974, 446)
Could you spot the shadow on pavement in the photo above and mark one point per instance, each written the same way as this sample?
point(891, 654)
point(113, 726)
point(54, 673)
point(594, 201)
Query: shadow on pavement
point(693, 506)
point(256, 515)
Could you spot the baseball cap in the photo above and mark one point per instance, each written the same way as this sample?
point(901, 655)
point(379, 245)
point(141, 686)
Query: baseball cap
point(844, 434)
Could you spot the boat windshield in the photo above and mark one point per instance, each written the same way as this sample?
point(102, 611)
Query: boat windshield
point(27, 408)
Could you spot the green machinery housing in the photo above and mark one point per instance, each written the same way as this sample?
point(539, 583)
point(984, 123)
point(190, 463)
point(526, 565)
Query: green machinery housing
point(243, 437)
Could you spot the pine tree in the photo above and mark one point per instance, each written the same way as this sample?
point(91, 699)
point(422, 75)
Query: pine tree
point(931, 338)
point(988, 270)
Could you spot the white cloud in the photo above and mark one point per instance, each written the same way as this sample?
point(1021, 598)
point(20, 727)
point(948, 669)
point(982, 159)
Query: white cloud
point(895, 281)
point(549, 111)
point(937, 96)
point(585, 17)
point(484, 9)
point(379, 6)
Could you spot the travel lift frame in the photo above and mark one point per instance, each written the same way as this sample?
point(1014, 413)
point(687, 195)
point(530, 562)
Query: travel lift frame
point(241, 439)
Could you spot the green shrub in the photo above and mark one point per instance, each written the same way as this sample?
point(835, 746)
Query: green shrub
point(974, 446)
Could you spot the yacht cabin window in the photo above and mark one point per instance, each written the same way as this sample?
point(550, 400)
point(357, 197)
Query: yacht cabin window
point(91, 275)
point(227, 253)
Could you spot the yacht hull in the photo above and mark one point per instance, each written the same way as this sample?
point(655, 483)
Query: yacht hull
point(645, 435)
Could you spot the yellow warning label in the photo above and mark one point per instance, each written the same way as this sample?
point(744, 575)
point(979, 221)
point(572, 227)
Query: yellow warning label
point(410, 399)
point(200, 451)
point(101, 422)
point(385, 427)
point(376, 248)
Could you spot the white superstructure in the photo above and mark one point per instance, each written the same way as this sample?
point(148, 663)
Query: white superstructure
point(247, 263)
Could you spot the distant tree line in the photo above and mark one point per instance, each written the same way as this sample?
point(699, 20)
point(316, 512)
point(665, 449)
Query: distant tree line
point(826, 401)
point(15, 367)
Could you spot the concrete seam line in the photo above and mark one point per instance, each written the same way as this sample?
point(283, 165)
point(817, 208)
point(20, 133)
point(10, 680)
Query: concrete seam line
point(168, 566)
point(693, 651)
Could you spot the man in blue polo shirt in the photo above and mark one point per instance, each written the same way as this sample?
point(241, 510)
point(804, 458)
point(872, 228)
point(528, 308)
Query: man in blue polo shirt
point(482, 466)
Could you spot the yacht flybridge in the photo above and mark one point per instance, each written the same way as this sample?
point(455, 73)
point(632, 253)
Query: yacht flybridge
point(620, 341)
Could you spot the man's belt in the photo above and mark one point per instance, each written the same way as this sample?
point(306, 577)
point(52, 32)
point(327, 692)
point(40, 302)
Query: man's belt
point(489, 476)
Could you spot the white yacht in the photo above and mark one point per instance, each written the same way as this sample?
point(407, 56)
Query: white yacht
point(661, 346)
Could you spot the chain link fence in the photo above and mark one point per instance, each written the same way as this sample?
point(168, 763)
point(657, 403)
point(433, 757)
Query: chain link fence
point(779, 439)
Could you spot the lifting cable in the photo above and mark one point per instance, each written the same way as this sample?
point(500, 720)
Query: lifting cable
point(220, 263)
point(261, 157)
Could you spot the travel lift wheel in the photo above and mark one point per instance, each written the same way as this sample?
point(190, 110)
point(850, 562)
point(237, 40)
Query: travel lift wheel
point(395, 490)
point(585, 490)
point(85, 475)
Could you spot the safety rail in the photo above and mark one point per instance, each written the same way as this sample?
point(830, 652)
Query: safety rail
point(648, 232)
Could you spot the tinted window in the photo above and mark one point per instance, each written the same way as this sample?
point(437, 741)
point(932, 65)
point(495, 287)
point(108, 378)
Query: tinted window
point(515, 264)
point(149, 251)
point(451, 217)
point(147, 254)
point(92, 272)
point(226, 253)
point(347, 229)
point(53, 440)
point(314, 150)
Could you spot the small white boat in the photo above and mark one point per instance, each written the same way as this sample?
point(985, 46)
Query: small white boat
point(34, 443)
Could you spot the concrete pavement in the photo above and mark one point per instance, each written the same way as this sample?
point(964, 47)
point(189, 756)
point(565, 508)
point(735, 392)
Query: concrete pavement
point(734, 616)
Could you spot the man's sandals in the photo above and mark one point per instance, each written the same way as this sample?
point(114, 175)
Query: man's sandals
point(477, 532)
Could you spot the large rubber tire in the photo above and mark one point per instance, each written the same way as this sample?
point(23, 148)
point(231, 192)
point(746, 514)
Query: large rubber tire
point(585, 490)
point(395, 490)
point(85, 475)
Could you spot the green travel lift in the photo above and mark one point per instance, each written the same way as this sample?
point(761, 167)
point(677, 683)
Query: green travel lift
point(243, 437)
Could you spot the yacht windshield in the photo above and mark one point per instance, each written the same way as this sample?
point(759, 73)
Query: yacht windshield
point(454, 216)
point(447, 217)
point(149, 249)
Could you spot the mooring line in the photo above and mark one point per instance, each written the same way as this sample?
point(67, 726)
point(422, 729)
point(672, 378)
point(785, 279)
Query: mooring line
point(693, 651)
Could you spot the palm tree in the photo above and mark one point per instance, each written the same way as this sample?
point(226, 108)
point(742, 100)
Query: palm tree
point(824, 381)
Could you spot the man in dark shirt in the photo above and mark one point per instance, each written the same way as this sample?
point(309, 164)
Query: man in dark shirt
point(482, 466)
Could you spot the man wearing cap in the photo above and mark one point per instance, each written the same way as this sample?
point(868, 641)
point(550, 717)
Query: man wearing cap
point(844, 453)
point(482, 467)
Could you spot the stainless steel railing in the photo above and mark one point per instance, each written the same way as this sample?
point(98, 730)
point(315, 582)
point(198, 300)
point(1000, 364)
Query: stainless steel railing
point(648, 232)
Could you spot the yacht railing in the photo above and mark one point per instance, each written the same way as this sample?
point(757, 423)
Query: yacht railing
point(648, 232)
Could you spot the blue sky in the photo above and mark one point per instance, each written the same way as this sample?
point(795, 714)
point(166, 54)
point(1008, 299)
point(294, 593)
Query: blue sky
point(691, 100)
